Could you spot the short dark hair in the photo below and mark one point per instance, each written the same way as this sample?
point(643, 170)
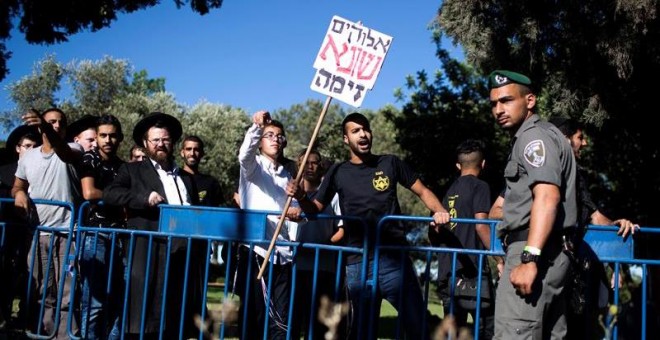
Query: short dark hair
point(567, 126)
point(470, 151)
point(315, 151)
point(277, 124)
point(358, 118)
point(54, 109)
point(193, 138)
point(108, 119)
point(31, 136)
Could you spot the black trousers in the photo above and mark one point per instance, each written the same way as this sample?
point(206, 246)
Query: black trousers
point(253, 292)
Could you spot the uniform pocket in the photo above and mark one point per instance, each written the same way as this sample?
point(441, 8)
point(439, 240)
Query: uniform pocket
point(520, 329)
point(511, 171)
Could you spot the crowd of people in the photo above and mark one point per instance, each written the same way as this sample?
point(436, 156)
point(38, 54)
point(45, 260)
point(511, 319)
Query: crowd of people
point(544, 206)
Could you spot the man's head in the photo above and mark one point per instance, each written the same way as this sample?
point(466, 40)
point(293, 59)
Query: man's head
point(470, 155)
point(273, 140)
point(22, 139)
point(83, 132)
point(314, 170)
point(158, 133)
point(573, 130)
point(57, 119)
point(511, 98)
point(192, 151)
point(108, 135)
point(137, 154)
point(357, 134)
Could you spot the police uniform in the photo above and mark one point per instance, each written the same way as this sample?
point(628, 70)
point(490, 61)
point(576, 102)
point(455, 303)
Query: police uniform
point(540, 154)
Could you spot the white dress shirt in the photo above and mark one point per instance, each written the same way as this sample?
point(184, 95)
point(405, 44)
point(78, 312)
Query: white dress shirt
point(175, 190)
point(262, 186)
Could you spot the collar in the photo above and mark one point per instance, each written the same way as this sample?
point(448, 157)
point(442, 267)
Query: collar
point(175, 169)
point(527, 124)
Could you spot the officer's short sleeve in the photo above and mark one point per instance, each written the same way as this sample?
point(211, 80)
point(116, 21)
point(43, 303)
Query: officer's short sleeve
point(540, 156)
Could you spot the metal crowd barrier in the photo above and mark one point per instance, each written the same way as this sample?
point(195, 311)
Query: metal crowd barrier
point(38, 300)
point(229, 226)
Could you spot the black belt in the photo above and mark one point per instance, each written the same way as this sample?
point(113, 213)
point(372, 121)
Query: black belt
point(522, 234)
point(514, 236)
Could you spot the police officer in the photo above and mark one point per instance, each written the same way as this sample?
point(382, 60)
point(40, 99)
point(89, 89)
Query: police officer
point(540, 202)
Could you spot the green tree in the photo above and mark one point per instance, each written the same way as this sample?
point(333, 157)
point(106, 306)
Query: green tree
point(590, 60)
point(97, 87)
point(37, 90)
point(53, 21)
point(441, 113)
point(300, 120)
point(222, 129)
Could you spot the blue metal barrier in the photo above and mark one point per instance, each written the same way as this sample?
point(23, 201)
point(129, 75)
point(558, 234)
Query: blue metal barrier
point(197, 227)
point(44, 303)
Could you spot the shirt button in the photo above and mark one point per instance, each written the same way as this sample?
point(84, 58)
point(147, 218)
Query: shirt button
point(518, 331)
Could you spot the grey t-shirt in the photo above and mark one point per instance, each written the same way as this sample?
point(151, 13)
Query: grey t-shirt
point(49, 178)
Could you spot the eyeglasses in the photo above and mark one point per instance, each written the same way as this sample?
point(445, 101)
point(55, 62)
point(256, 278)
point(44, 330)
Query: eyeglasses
point(156, 141)
point(272, 136)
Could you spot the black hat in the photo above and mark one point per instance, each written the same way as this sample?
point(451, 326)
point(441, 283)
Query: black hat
point(18, 133)
point(173, 126)
point(499, 78)
point(80, 125)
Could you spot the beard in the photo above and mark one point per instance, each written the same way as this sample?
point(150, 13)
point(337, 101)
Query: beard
point(163, 156)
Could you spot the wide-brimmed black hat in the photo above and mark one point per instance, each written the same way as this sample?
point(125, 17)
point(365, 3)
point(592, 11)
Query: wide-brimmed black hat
point(9, 153)
point(173, 126)
point(80, 125)
point(18, 133)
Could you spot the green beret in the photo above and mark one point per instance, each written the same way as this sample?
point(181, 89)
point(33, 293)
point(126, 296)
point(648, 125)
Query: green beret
point(500, 78)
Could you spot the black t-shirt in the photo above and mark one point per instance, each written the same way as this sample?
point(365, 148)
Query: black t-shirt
point(586, 206)
point(7, 210)
point(368, 191)
point(210, 192)
point(467, 196)
point(103, 172)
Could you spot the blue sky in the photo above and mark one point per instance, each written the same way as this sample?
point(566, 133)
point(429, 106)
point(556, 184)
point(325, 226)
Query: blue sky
point(249, 54)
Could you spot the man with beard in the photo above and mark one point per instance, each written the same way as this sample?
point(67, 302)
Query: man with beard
point(210, 192)
point(587, 289)
point(192, 152)
point(367, 188)
point(99, 166)
point(140, 187)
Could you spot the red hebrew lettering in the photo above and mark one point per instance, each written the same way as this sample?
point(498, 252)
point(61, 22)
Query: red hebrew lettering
point(362, 67)
point(355, 55)
point(335, 51)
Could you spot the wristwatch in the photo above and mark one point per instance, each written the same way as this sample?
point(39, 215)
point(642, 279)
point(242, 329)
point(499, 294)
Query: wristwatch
point(527, 257)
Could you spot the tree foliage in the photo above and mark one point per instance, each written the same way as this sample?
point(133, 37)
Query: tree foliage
point(442, 112)
point(590, 60)
point(300, 120)
point(110, 86)
point(53, 21)
point(222, 129)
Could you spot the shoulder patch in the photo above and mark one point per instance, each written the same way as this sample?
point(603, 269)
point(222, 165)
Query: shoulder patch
point(535, 153)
